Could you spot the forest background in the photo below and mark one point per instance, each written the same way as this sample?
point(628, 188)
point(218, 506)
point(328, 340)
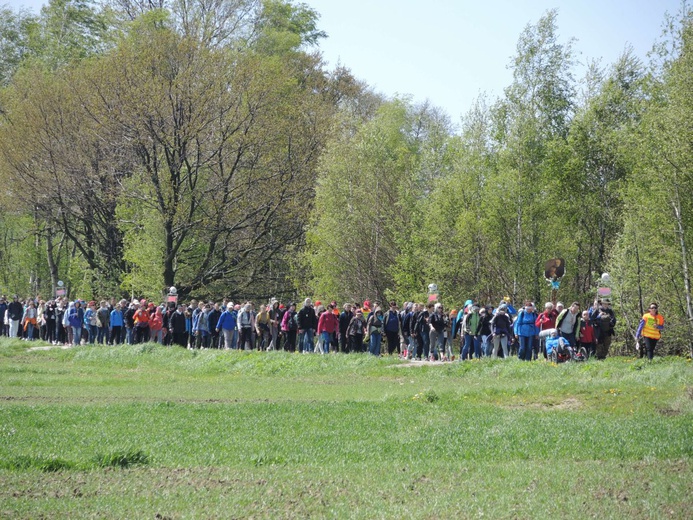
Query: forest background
point(206, 145)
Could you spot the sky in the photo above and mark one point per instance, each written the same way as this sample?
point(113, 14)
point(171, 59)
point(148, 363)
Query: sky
point(450, 51)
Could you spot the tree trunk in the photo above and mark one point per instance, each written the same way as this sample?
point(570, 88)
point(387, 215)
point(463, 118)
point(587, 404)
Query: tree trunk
point(676, 206)
point(52, 266)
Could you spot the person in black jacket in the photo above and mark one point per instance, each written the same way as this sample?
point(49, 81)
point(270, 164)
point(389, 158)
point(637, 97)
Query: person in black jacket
point(344, 320)
point(415, 339)
point(4, 328)
point(14, 315)
point(176, 324)
point(214, 316)
point(129, 319)
point(423, 330)
point(49, 318)
point(307, 323)
point(392, 328)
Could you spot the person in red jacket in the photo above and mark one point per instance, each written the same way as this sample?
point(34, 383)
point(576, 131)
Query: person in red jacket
point(546, 321)
point(327, 327)
point(588, 337)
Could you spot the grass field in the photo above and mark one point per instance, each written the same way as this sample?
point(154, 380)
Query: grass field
point(150, 432)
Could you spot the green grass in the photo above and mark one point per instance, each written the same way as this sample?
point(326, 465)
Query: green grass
point(144, 431)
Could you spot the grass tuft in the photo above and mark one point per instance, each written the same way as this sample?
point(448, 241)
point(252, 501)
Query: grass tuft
point(45, 464)
point(122, 459)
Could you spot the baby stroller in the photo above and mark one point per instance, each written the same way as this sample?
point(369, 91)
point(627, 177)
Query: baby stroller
point(558, 350)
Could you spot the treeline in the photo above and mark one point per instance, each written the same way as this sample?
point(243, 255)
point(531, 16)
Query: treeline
point(206, 145)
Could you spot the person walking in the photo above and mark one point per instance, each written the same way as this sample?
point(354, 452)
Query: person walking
point(650, 328)
point(526, 330)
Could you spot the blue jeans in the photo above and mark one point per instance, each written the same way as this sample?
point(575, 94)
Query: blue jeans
point(92, 331)
point(376, 338)
point(30, 331)
point(570, 336)
point(471, 342)
point(414, 346)
point(486, 346)
point(308, 340)
point(128, 335)
point(102, 336)
point(76, 335)
point(425, 343)
point(326, 339)
point(525, 351)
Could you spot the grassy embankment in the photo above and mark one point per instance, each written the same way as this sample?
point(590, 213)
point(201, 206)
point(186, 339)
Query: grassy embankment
point(136, 432)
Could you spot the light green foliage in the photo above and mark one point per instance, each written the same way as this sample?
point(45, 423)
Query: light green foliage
point(653, 255)
point(284, 26)
point(367, 194)
point(143, 240)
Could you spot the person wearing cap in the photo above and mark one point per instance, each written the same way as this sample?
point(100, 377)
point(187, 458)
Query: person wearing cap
point(604, 320)
point(14, 315)
point(226, 325)
point(501, 326)
point(509, 309)
point(526, 330)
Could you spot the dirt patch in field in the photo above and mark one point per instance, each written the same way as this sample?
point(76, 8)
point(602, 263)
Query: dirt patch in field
point(668, 412)
point(567, 404)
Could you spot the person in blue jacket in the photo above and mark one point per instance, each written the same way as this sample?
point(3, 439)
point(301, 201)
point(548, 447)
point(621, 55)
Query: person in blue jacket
point(116, 325)
point(227, 324)
point(526, 330)
point(76, 319)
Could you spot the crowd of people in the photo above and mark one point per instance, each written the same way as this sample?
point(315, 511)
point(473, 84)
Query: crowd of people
point(415, 331)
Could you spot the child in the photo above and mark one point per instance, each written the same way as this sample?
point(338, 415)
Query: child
point(588, 336)
point(558, 344)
